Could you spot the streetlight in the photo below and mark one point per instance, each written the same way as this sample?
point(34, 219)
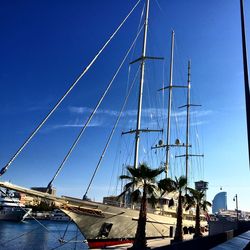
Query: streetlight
point(237, 211)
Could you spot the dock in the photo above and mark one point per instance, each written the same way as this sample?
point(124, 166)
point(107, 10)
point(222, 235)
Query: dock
point(219, 242)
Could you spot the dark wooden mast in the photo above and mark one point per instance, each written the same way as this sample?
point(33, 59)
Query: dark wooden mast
point(246, 78)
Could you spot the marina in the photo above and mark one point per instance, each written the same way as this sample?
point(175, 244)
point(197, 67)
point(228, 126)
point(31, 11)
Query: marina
point(30, 235)
point(115, 158)
point(11, 208)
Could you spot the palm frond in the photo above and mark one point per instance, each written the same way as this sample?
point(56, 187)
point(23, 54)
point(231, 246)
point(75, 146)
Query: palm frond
point(153, 200)
point(189, 202)
point(128, 186)
point(153, 173)
point(135, 172)
point(205, 205)
point(151, 188)
point(135, 195)
point(182, 182)
point(125, 177)
point(121, 194)
point(167, 185)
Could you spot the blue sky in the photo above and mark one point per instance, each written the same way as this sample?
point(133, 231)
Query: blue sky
point(46, 44)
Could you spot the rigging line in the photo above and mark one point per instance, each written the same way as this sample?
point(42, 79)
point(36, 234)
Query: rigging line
point(111, 134)
point(162, 12)
point(6, 194)
point(5, 168)
point(17, 237)
point(140, 23)
point(93, 112)
point(160, 8)
point(117, 162)
point(41, 225)
point(128, 144)
point(66, 229)
point(76, 238)
point(160, 118)
point(154, 220)
point(69, 241)
point(133, 52)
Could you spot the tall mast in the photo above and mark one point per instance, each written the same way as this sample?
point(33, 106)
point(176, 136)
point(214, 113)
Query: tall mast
point(187, 155)
point(142, 60)
point(246, 79)
point(188, 115)
point(170, 87)
point(138, 123)
point(170, 103)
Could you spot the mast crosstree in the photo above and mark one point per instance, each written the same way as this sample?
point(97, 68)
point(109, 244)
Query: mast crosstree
point(142, 59)
point(170, 87)
point(187, 145)
point(188, 106)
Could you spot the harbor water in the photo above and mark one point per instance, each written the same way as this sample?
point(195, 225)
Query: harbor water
point(40, 235)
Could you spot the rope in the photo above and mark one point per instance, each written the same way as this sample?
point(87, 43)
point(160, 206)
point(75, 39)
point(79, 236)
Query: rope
point(92, 114)
point(17, 237)
point(24, 210)
point(5, 168)
point(119, 147)
point(65, 231)
point(21, 235)
point(111, 134)
point(62, 243)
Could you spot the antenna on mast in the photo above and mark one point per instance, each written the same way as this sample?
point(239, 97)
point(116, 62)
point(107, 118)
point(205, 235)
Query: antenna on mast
point(187, 106)
point(170, 87)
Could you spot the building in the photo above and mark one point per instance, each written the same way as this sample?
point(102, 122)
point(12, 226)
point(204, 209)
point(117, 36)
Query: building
point(44, 190)
point(36, 201)
point(202, 186)
point(219, 202)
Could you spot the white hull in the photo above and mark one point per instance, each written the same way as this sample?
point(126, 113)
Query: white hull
point(99, 221)
point(12, 214)
point(91, 216)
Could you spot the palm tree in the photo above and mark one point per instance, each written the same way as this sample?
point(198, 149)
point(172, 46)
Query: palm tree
point(197, 200)
point(142, 179)
point(177, 185)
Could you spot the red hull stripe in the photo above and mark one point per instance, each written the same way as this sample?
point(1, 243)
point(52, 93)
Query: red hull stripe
point(112, 242)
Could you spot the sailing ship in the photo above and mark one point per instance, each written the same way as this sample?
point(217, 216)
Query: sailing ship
point(104, 224)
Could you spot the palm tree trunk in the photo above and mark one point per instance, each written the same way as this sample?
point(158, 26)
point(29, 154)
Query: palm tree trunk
point(197, 223)
point(178, 231)
point(140, 242)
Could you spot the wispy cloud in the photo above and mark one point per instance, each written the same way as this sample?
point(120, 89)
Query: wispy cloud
point(150, 116)
point(147, 112)
point(86, 110)
point(77, 124)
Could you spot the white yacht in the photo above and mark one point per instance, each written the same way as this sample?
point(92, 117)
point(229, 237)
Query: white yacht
point(11, 208)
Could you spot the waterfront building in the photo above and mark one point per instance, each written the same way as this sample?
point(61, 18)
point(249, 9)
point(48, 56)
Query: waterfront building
point(219, 202)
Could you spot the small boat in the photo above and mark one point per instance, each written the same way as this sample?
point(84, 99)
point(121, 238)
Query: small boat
point(11, 208)
point(58, 215)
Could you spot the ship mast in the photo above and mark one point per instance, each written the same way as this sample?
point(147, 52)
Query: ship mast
point(187, 155)
point(142, 60)
point(170, 87)
point(188, 115)
point(138, 122)
point(170, 103)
